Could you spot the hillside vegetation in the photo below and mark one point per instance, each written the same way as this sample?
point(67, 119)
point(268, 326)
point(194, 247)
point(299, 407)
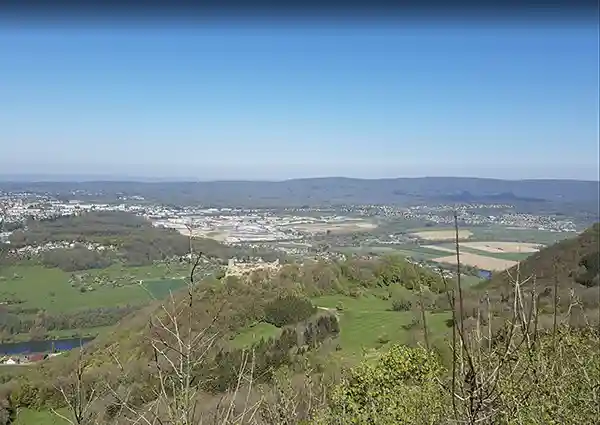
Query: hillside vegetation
point(300, 347)
point(72, 274)
point(569, 268)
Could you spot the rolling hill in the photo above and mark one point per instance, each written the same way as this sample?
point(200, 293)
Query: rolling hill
point(332, 191)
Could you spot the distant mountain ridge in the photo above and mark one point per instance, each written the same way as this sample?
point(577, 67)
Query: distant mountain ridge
point(334, 190)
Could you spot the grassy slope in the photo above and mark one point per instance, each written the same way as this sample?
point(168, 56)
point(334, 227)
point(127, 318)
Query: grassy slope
point(368, 322)
point(248, 336)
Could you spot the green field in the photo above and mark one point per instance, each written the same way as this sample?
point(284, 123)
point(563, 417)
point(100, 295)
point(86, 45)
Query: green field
point(503, 234)
point(49, 288)
point(514, 256)
point(255, 333)
point(369, 323)
point(414, 251)
point(489, 233)
point(366, 322)
point(40, 417)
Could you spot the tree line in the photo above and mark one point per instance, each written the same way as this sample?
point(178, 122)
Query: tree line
point(42, 322)
point(136, 241)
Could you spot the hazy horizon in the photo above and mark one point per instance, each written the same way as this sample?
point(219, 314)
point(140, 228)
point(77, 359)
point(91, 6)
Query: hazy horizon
point(140, 177)
point(226, 102)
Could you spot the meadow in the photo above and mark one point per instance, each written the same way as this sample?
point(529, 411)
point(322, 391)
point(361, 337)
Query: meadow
point(367, 323)
point(27, 290)
point(50, 289)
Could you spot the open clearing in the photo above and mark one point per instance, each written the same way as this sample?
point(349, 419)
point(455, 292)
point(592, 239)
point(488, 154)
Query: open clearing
point(368, 322)
point(479, 261)
point(442, 235)
point(500, 247)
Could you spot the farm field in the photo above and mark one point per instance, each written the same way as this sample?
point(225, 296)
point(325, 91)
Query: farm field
point(492, 233)
point(449, 248)
point(503, 247)
point(419, 253)
point(499, 233)
point(347, 226)
point(49, 288)
point(490, 248)
point(480, 261)
point(441, 235)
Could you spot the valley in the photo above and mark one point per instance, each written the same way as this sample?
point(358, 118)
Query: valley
point(302, 288)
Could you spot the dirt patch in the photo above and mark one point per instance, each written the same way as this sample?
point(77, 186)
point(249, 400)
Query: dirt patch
point(442, 235)
point(500, 247)
point(479, 261)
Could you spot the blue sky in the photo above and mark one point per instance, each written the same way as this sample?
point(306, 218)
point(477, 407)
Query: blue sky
point(269, 102)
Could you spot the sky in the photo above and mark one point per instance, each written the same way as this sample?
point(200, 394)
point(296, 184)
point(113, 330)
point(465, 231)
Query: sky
point(233, 101)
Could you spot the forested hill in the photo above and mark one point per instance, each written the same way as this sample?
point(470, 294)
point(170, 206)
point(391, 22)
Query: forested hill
point(331, 190)
point(571, 265)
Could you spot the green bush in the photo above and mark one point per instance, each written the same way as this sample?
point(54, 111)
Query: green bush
point(401, 305)
point(399, 388)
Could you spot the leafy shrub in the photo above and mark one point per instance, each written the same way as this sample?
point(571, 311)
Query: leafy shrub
point(401, 305)
point(413, 323)
point(400, 388)
point(288, 310)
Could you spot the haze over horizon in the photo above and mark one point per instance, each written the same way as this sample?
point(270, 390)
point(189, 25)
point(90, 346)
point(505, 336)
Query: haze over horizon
point(271, 103)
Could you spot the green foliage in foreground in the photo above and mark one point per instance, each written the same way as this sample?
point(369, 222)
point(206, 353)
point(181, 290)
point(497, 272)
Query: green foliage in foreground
point(559, 382)
point(556, 383)
point(399, 387)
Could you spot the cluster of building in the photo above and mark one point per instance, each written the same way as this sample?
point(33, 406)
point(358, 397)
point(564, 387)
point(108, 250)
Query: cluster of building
point(239, 226)
point(25, 359)
point(18, 209)
point(469, 217)
point(236, 267)
point(39, 249)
